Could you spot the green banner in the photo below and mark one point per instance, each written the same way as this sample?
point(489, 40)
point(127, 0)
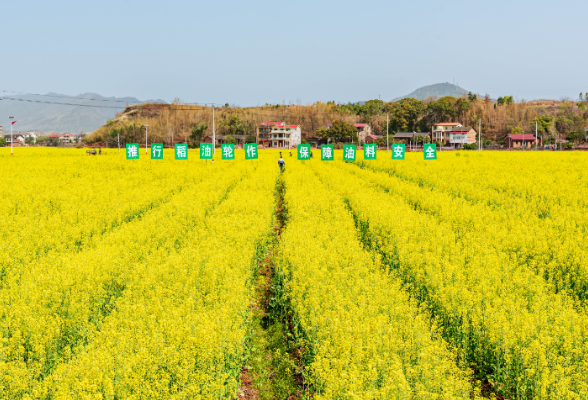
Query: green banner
point(349, 151)
point(398, 151)
point(181, 151)
point(327, 152)
point(251, 151)
point(132, 151)
point(304, 152)
point(157, 151)
point(228, 151)
point(206, 151)
point(430, 151)
point(369, 151)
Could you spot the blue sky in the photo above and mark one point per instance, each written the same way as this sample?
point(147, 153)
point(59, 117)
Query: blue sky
point(253, 52)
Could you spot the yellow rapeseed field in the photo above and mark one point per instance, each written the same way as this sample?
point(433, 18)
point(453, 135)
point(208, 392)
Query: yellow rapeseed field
point(456, 278)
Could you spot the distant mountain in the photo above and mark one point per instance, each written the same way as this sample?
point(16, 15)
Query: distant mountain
point(86, 113)
point(437, 90)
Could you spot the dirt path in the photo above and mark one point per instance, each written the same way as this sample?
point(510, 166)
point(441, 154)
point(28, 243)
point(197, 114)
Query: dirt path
point(274, 369)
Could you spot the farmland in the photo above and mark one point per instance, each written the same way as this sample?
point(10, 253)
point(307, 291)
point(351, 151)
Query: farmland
point(456, 278)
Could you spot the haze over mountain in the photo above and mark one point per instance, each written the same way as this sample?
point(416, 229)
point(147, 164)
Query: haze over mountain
point(35, 112)
point(436, 90)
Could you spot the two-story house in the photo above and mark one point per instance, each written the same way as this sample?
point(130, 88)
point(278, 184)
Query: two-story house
point(462, 135)
point(264, 133)
point(286, 136)
point(279, 135)
point(442, 130)
point(67, 138)
point(453, 134)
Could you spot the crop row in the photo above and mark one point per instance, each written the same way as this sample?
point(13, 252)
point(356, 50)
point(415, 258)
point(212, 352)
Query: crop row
point(63, 204)
point(156, 306)
point(504, 321)
point(363, 337)
point(555, 252)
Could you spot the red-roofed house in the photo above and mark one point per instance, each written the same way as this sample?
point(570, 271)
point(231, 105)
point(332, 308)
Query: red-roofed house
point(516, 141)
point(372, 138)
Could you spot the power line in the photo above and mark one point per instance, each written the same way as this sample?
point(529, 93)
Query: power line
point(65, 97)
point(86, 98)
point(65, 104)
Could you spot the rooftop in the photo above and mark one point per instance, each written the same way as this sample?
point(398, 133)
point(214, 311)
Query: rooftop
point(464, 129)
point(448, 124)
point(529, 137)
point(273, 123)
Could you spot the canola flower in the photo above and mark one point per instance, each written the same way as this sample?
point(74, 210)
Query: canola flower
point(57, 201)
point(131, 279)
point(178, 331)
point(552, 249)
point(366, 339)
point(63, 303)
point(505, 321)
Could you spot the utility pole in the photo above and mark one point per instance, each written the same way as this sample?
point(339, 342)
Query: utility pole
point(479, 134)
point(523, 140)
point(536, 136)
point(213, 132)
point(11, 137)
point(387, 133)
point(146, 138)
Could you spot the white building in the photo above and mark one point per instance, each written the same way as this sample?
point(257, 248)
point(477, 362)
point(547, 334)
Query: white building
point(27, 135)
point(441, 131)
point(285, 136)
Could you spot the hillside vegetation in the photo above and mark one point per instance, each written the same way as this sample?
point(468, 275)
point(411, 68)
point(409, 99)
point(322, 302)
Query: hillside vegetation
point(177, 122)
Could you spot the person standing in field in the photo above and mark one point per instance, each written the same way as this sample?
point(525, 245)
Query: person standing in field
point(281, 163)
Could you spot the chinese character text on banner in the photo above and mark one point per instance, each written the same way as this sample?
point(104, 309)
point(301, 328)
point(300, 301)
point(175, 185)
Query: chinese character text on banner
point(304, 152)
point(228, 151)
point(369, 151)
point(181, 151)
point(430, 151)
point(157, 151)
point(132, 151)
point(206, 151)
point(349, 151)
point(327, 152)
point(251, 151)
point(398, 151)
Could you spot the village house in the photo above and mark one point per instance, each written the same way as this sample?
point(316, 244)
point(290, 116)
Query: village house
point(67, 138)
point(372, 138)
point(442, 130)
point(462, 135)
point(453, 134)
point(264, 133)
point(517, 141)
point(279, 135)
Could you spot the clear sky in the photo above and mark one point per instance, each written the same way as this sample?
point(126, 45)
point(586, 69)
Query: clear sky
point(256, 51)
